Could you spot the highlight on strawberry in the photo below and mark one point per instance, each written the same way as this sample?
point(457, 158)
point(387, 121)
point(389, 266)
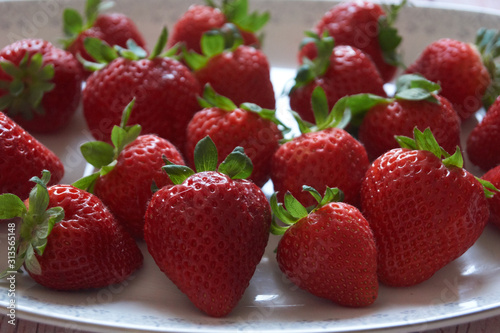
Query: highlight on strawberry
point(255, 129)
point(209, 230)
point(68, 239)
point(327, 249)
point(424, 208)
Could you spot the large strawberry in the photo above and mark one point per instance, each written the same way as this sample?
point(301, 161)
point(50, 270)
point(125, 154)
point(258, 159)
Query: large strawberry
point(114, 28)
point(493, 176)
point(425, 210)
point(340, 70)
point(415, 104)
point(324, 155)
point(127, 170)
point(467, 73)
point(40, 85)
point(249, 126)
point(483, 143)
point(21, 157)
point(208, 232)
point(329, 251)
point(199, 19)
point(68, 239)
point(164, 89)
point(239, 72)
point(364, 25)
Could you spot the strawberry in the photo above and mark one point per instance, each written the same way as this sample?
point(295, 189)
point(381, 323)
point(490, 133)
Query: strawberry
point(22, 156)
point(114, 28)
point(329, 251)
point(164, 89)
point(68, 239)
point(482, 144)
point(466, 72)
point(208, 232)
point(341, 70)
point(249, 126)
point(415, 104)
point(40, 85)
point(324, 155)
point(363, 25)
point(199, 19)
point(127, 170)
point(493, 176)
point(425, 210)
point(239, 72)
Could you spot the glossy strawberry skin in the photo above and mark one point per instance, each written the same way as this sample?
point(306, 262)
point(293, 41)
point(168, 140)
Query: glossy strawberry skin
point(165, 93)
point(399, 117)
point(88, 249)
point(60, 103)
point(114, 29)
point(197, 20)
point(331, 157)
point(242, 75)
point(458, 68)
point(493, 176)
point(23, 157)
point(126, 190)
point(208, 235)
point(331, 253)
point(350, 72)
point(483, 146)
point(355, 23)
point(259, 137)
point(423, 214)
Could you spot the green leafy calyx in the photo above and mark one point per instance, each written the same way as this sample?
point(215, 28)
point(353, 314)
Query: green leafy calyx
point(293, 211)
point(102, 155)
point(74, 23)
point(30, 80)
point(237, 12)
point(237, 165)
point(488, 45)
point(37, 222)
point(388, 36)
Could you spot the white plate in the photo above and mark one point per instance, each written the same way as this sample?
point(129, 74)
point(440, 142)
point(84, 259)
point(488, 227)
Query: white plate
point(465, 290)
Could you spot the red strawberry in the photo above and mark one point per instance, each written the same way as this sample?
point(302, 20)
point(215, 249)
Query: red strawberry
point(208, 232)
point(248, 126)
point(322, 156)
point(127, 170)
point(40, 85)
point(483, 143)
point(341, 70)
point(164, 89)
point(424, 211)
point(114, 29)
point(363, 25)
point(493, 176)
point(199, 19)
point(69, 240)
point(416, 104)
point(330, 251)
point(239, 72)
point(462, 70)
point(21, 157)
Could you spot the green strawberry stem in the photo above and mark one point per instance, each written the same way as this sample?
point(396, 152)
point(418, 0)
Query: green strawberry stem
point(36, 224)
point(237, 165)
point(388, 36)
point(29, 83)
point(73, 22)
point(102, 156)
point(103, 53)
point(293, 211)
point(236, 12)
point(488, 44)
point(425, 141)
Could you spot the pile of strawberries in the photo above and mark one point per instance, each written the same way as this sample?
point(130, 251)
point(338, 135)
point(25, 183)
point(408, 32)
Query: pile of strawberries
point(372, 190)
